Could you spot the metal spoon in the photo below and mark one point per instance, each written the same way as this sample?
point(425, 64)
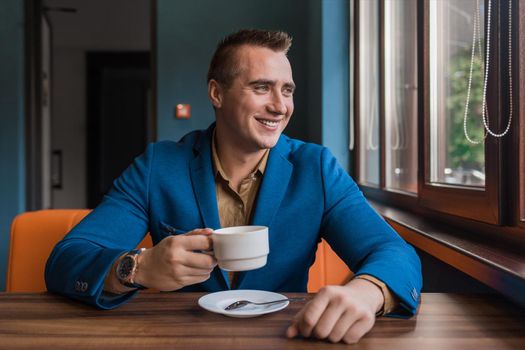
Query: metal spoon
point(242, 303)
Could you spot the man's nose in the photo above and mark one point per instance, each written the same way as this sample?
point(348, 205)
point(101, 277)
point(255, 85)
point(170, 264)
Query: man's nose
point(277, 105)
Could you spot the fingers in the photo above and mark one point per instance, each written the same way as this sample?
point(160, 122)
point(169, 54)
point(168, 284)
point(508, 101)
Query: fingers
point(358, 330)
point(198, 260)
point(185, 250)
point(185, 277)
point(193, 272)
point(341, 328)
point(199, 239)
point(173, 263)
point(334, 325)
point(292, 331)
point(333, 315)
point(199, 231)
point(189, 268)
point(327, 321)
point(308, 317)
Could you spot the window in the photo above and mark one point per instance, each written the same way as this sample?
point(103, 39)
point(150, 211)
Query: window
point(368, 90)
point(455, 29)
point(420, 72)
point(520, 59)
point(400, 91)
point(456, 179)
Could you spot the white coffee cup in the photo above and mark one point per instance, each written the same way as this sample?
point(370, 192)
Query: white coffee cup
point(241, 248)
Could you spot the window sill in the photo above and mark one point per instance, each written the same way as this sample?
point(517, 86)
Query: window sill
point(498, 266)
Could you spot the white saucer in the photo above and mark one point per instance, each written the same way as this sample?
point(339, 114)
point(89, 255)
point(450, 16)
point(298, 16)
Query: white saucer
point(216, 302)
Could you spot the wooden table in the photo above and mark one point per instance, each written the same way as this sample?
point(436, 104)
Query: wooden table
point(175, 321)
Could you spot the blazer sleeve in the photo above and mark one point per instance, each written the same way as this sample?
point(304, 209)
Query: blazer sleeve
point(362, 239)
point(80, 262)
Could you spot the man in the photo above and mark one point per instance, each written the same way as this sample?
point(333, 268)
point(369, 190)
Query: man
point(242, 170)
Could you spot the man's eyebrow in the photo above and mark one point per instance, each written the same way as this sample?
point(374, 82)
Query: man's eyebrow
point(290, 85)
point(269, 82)
point(262, 82)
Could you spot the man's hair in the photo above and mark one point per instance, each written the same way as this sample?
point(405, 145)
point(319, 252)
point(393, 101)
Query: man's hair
point(224, 66)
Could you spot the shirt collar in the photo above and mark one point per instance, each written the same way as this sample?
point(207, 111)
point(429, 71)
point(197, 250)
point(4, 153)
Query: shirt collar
point(217, 167)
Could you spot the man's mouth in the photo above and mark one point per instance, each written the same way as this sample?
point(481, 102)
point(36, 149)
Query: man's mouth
point(269, 123)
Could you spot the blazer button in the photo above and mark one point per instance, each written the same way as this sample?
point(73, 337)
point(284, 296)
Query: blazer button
point(78, 286)
point(83, 286)
point(414, 294)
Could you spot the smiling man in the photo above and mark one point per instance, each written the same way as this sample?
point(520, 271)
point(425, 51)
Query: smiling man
point(242, 170)
point(252, 106)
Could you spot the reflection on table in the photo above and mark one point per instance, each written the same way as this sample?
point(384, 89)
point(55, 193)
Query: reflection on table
point(175, 321)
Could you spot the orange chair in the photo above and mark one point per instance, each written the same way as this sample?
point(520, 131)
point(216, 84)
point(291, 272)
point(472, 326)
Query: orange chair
point(328, 269)
point(34, 234)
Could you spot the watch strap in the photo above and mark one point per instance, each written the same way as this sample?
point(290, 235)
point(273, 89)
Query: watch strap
point(130, 281)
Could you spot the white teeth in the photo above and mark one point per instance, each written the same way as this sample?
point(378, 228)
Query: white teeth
point(268, 123)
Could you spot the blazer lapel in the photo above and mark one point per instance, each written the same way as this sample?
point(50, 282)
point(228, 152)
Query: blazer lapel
point(274, 184)
point(271, 193)
point(203, 182)
point(201, 172)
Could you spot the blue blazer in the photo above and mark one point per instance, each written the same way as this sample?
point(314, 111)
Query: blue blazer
point(304, 196)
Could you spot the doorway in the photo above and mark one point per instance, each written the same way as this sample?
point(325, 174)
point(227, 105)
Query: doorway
point(118, 90)
point(90, 38)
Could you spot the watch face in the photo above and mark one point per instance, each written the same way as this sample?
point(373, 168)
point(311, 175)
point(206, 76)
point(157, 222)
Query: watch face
point(125, 267)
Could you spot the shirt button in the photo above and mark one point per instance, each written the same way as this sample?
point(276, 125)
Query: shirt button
point(240, 206)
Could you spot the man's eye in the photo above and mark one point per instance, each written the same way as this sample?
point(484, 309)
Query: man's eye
point(261, 88)
point(288, 92)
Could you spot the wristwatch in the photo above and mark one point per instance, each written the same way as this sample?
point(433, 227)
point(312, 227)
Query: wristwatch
point(127, 269)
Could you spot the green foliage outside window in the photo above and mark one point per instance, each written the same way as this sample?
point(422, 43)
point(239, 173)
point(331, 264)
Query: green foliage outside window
point(461, 153)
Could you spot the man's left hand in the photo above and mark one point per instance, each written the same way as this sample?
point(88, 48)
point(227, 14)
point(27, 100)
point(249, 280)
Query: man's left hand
point(339, 313)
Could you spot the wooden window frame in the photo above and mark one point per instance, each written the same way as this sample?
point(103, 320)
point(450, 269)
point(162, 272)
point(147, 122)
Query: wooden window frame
point(472, 203)
point(499, 208)
point(519, 137)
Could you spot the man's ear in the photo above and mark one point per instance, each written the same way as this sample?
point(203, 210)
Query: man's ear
point(215, 93)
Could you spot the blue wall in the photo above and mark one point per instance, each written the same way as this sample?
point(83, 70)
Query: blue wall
point(187, 34)
point(319, 58)
point(12, 167)
point(335, 90)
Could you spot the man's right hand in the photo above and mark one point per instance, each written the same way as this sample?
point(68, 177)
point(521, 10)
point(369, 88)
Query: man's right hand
point(174, 263)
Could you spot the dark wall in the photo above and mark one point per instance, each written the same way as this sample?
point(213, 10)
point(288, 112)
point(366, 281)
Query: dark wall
point(187, 34)
point(12, 134)
point(439, 277)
